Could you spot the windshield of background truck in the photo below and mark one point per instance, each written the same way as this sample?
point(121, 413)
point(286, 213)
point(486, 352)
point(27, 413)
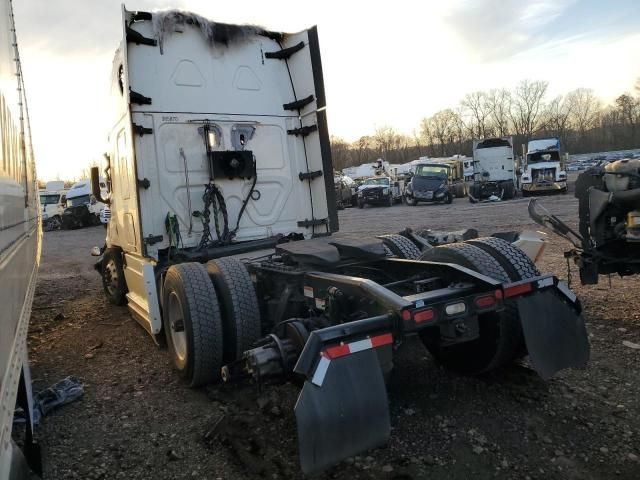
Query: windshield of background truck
point(537, 157)
point(432, 171)
point(377, 181)
point(52, 199)
point(75, 201)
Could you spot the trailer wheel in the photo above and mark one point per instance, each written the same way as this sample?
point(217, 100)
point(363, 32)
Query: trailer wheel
point(516, 263)
point(192, 323)
point(239, 305)
point(500, 337)
point(401, 246)
point(113, 281)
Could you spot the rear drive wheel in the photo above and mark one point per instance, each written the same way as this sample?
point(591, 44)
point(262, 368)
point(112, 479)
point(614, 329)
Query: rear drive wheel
point(401, 246)
point(500, 333)
point(192, 323)
point(515, 262)
point(239, 305)
point(113, 281)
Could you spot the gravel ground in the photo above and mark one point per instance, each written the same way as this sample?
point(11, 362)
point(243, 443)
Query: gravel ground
point(136, 420)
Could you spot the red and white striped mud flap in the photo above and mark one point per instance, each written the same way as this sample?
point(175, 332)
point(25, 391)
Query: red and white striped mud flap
point(343, 409)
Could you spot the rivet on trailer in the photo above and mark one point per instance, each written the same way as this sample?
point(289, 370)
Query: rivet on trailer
point(220, 240)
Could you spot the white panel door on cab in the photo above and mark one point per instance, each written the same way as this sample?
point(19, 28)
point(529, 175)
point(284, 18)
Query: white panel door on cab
point(125, 208)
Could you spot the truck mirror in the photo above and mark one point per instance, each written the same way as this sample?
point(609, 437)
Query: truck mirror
point(95, 185)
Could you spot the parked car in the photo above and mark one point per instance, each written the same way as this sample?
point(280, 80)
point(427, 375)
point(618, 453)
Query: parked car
point(430, 183)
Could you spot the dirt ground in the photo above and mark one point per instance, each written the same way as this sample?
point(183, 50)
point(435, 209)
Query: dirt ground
point(136, 420)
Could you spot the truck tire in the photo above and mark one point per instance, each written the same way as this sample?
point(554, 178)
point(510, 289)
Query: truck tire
point(500, 339)
point(193, 323)
point(112, 273)
point(449, 199)
point(239, 306)
point(509, 190)
point(515, 262)
point(401, 246)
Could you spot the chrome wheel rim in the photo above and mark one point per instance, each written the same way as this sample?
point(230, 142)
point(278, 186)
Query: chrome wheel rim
point(176, 327)
point(111, 277)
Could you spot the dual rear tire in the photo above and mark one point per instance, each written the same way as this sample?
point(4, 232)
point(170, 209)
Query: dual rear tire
point(500, 338)
point(210, 317)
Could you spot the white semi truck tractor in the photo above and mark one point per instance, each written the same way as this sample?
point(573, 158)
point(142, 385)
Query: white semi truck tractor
point(544, 170)
point(220, 240)
point(494, 172)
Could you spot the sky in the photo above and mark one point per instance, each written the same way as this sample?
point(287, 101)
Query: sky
point(385, 63)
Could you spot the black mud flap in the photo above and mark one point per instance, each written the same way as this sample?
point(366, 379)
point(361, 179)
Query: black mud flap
point(342, 411)
point(554, 332)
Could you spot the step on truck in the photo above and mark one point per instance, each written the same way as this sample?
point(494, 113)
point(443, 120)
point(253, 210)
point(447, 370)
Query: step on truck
point(221, 240)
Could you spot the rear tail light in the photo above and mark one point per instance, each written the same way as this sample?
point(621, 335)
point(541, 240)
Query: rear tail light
point(518, 290)
point(485, 301)
point(424, 315)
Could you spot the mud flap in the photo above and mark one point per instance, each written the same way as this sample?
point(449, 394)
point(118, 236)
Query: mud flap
point(554, 332)
point(342, 411)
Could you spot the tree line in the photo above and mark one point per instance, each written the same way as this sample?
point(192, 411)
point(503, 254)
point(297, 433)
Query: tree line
point(581, 120)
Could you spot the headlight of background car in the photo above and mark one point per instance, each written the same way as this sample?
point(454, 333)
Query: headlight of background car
point(441, 186)
point(385, 191)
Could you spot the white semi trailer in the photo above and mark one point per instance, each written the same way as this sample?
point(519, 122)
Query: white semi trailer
point(222, 208)
point(20, 244)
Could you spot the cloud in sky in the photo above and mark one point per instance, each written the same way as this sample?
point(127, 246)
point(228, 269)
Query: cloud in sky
point(498, 29)
point(384, 62)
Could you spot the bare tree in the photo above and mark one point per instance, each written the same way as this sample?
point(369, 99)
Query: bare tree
point(364, 148)
point(499, 102)
point(527, 106)
point(385, 139)
point(557, 117)
point(340, 153)
point(585, 110)
point(477, 107)
point(442, 124)
point(628, 110)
